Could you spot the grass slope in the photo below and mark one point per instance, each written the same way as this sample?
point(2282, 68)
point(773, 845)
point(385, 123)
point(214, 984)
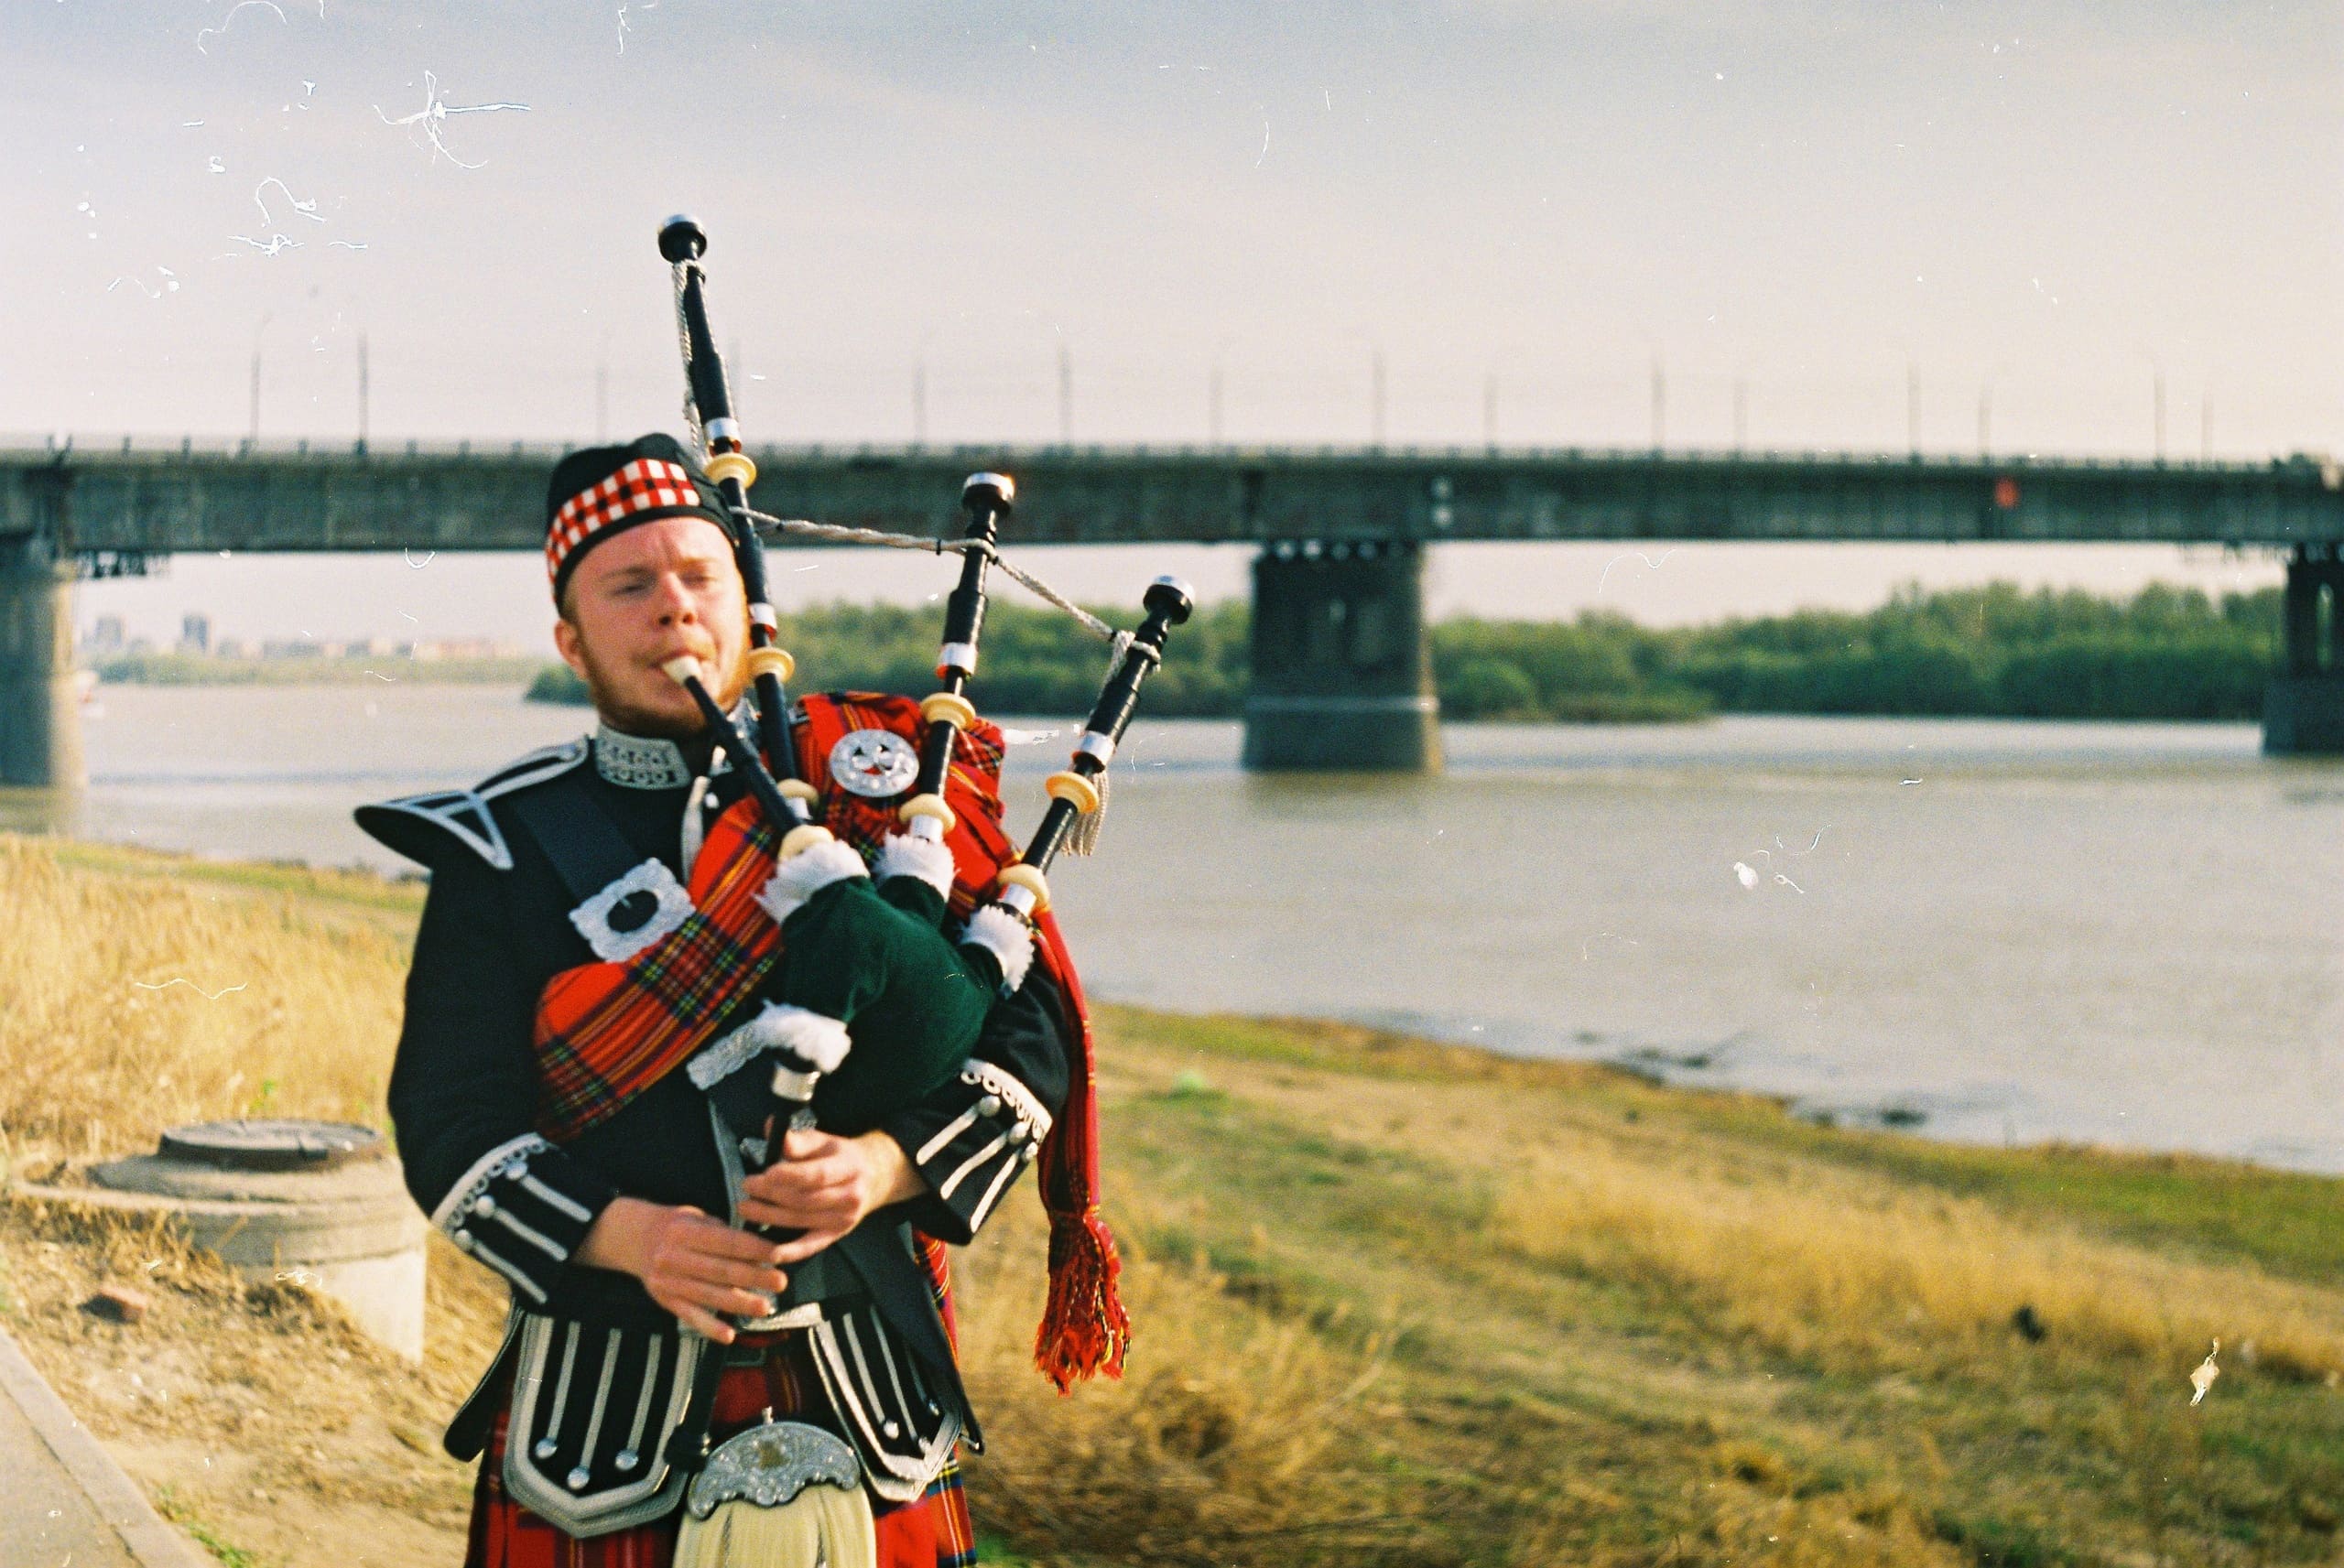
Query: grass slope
point(1396, 1302)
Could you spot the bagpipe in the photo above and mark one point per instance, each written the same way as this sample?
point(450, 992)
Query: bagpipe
point(876, 1005)
point(876, 1000)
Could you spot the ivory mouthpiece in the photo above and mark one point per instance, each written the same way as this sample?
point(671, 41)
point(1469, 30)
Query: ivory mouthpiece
point(683, 668)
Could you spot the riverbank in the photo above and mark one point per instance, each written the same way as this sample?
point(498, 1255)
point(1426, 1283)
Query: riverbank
point(1396, 1302)
point(1996, 651)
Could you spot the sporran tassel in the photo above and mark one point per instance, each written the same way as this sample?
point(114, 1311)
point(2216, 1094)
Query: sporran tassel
point(822, 1527)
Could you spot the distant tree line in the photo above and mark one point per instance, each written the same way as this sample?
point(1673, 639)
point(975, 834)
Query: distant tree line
point(1999, 650)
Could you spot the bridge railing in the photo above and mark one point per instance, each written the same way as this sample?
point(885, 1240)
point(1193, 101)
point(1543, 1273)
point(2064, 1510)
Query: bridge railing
point(24, 447)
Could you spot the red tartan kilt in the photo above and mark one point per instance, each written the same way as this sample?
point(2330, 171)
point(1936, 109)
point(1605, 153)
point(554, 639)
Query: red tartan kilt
point(934, 1532)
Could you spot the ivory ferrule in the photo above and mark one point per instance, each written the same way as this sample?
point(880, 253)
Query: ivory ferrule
point(1074, 789)
point(931, 807)
point(800, 839)
point(798, 789)
point(1096, 744)
point(948, 708)
point(960, 656)
point(722, 430)
point(1025, 889)
point(725, 466)
point(766, 616)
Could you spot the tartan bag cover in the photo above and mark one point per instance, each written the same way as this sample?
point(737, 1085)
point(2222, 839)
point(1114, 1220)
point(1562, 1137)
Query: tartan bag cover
point(606, 1032)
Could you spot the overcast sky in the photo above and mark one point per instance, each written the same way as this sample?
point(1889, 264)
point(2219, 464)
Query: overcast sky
point(1516, 206)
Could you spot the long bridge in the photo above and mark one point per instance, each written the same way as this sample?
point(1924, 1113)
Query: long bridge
point(1341, 676)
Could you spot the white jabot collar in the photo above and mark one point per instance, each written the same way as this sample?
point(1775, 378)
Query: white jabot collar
point(639, 762)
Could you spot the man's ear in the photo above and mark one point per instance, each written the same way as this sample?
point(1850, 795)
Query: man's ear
point(565, 644)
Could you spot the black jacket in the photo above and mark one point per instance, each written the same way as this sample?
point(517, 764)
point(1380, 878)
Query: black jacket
point(495, 927)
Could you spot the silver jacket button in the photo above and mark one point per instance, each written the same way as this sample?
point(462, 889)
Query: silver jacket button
point(989, 1105)
point(485, 1206)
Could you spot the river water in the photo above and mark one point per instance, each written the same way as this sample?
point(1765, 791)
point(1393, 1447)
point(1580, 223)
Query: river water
point(2124, 933)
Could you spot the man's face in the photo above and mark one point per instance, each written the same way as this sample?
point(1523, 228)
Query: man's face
point(641, 598)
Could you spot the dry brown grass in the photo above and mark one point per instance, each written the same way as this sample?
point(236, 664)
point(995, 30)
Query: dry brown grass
point(1396, 1304)
point(132, 1003)
point(1851, 1270)
point(1212, 1450)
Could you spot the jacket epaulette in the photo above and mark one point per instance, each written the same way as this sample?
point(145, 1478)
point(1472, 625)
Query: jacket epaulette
point(416, 825)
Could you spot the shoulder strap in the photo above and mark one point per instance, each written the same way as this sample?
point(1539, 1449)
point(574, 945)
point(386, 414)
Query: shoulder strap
point(586, 847)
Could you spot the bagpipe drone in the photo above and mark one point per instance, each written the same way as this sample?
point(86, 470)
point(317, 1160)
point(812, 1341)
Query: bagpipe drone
point(875, 1001)
point(876, 1005)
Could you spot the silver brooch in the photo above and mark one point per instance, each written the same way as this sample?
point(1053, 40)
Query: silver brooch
point(873, 764)
point(633, 912)
point(770, 1463)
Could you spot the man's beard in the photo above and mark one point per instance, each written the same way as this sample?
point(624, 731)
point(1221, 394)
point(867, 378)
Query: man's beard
point(629, 720)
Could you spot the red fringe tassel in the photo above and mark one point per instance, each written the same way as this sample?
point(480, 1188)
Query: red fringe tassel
point(1084, 1329)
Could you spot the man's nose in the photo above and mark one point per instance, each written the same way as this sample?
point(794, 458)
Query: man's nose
point(676, 604)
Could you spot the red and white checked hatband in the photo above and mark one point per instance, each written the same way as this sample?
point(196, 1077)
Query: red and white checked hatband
point(642, 485)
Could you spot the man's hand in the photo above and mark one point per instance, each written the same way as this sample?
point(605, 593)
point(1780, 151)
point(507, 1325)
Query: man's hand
point(826, 1185)
point(694, 1266)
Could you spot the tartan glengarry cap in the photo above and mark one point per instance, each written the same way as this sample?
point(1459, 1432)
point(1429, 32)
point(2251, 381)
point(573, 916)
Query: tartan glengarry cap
point(603, 491)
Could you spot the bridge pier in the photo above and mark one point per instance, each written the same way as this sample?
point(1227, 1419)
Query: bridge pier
point(1341, 675)
point(40, 723)
point(2303, 710)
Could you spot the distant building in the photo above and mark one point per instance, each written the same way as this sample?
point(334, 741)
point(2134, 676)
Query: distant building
point(107, 638)
point(460, 648)
point(195, 633)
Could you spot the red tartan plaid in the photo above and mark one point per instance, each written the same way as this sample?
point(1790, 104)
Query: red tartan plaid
point(933, 1532)
point(607, 1031)
point(1084, 1329)
point(641, 486)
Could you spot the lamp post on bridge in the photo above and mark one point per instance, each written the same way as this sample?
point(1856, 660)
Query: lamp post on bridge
point(1912, 404)
point(252, 438)
point(1065, 397)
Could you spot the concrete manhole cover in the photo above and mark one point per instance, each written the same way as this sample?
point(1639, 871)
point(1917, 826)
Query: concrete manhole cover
point(274, 1144)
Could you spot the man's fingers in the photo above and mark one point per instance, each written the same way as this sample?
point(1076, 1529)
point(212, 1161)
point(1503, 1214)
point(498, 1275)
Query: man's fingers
point(685, 1297)
point(722, 1241)
point(705, 1323)
point(805, 1142)
point(806, 1245)
point(833, 1215)
point(814, 1175)
point(720, 1273)
point(785, 1217)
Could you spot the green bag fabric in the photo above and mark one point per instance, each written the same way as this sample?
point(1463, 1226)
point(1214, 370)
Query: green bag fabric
point(912, 1002)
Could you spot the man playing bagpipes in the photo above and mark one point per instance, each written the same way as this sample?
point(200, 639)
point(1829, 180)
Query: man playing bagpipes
point(731, 1317)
